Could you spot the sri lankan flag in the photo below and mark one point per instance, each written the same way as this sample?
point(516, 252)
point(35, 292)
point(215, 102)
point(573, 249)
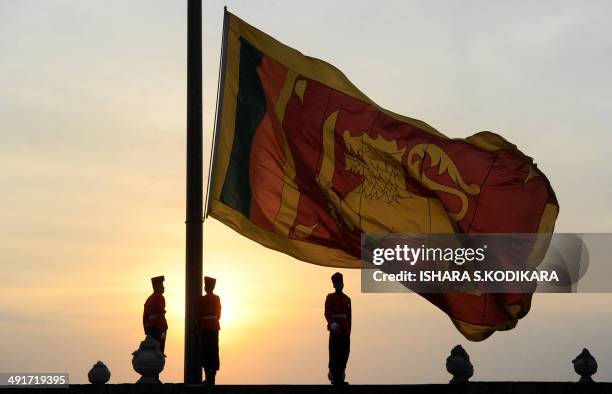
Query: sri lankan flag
point(305, 163)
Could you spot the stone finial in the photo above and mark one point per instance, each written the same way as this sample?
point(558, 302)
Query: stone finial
point(148, 360)
point(99, 374)
point(585, 365)
point(458, 364)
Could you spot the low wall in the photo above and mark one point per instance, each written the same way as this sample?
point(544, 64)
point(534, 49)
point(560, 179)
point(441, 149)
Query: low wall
point(468, 388)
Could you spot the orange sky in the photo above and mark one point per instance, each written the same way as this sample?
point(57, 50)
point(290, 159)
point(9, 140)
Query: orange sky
point(92, 177)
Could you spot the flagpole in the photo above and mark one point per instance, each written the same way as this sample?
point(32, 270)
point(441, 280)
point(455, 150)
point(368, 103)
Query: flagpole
point(194, 195)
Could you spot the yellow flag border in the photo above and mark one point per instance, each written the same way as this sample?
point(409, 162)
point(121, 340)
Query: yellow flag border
point(305, 251)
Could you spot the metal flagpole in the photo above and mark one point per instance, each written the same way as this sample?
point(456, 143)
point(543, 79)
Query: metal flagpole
point(193, 245)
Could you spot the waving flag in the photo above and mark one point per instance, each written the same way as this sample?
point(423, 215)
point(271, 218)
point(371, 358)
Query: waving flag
point(305, 163)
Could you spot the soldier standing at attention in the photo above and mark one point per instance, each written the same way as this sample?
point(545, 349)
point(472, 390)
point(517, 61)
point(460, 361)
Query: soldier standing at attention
point(338, 316)
point(209, 313)
point(154, 315)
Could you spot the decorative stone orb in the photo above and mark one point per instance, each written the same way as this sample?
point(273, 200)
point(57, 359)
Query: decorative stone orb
point(585, 365)
point(99, 374)
point(148, 360)
point(458, 364)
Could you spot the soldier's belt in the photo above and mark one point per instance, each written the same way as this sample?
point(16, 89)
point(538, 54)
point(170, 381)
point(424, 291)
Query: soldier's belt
point(209, 317)
point(339, 316)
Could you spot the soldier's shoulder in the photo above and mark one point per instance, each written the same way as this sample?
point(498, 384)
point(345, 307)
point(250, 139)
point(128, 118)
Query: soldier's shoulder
point(154, 298)
point(210, 297)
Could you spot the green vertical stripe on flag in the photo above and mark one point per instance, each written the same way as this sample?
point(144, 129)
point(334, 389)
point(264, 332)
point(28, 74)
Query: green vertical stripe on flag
point(250, 109)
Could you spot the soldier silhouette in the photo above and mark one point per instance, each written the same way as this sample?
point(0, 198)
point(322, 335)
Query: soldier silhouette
point(209, 313)
point(338, 316)
point(154, 314)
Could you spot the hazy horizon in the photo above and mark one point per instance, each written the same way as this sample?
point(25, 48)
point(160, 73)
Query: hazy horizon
point(93, 179)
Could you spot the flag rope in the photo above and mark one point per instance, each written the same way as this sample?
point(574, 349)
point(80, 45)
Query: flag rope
point(218, 107)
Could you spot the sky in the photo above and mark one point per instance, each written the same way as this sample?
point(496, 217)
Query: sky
point(92, 180)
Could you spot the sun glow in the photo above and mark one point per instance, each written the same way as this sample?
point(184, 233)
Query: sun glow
point(230, 312)
point(236, 302)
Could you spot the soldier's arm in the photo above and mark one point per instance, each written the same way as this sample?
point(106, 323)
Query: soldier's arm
point(162, 305)
point(153, 309)
point(218, 308)
point(145, 312)
point(327, 310)
point(158, 306)
point(349, 313)
point(151, 306)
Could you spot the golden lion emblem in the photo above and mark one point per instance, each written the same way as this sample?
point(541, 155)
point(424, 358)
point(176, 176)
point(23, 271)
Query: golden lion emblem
point(382, 203)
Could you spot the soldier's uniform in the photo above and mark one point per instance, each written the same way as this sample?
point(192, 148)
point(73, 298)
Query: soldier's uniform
point(154, 315)
point(209, 313)
point(338, 316)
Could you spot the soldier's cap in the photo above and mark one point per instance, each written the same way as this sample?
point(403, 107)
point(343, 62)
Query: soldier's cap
point(157, 280)
point(336, 278)
point(209, 281)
